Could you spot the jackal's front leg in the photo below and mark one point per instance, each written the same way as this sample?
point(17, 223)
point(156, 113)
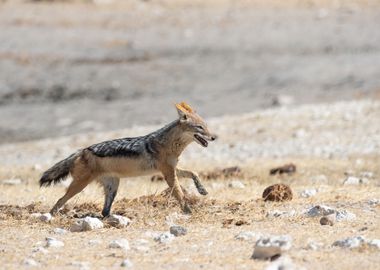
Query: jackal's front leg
point(197, 182)
point(172, 180)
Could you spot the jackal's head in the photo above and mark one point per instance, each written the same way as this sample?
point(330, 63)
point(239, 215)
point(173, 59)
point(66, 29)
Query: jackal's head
point(193, 125)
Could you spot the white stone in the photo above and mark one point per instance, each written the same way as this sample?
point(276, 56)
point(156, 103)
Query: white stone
point(86, 224)
point(282, 263)
point(46, 217)
point(342, 215)
point(52, 242)
point(35, 215)
point(374, 243)
point(284, 242)
point(236, 184)
point(30, 262)
point(12, 182)
point(319, 210)
point(164, 238)
point(126, 263)
point(278, 213)
point(307, 193)
point(367, 174)
point(247, 235)
point(312, 245)
point(120, 243)
point(373, 202)
point(118, 221)
point(60, 231)
point(351, 242)
point(352, 180)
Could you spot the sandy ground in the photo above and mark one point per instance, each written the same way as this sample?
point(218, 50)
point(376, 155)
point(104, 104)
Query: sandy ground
point(73, 68)
point(346, 134)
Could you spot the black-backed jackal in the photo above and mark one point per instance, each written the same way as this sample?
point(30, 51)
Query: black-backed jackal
point(156, 152)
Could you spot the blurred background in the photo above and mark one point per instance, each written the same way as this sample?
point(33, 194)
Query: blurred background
point(70, 67)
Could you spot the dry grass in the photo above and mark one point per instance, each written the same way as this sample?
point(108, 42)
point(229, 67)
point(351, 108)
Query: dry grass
point(217, 218)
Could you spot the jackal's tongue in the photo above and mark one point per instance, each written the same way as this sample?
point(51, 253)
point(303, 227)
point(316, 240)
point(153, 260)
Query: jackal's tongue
point(202, 141)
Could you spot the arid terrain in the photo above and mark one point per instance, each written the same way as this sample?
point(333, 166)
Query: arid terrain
point(327, 143)
point(280, 82)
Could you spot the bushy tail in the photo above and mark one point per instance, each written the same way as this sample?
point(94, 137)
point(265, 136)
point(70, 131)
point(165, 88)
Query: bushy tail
point(59, 171)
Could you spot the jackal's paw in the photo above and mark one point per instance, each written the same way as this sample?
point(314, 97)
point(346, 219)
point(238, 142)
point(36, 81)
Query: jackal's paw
point(187, 209)
point(202, 191)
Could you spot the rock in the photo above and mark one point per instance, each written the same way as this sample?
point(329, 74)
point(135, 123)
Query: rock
point(278, 213)
point(178, 230)
point(313, 245)
point(30, 262)
point(320, 210)
point(287, 168)
point(60, 231)
point(266, 253)
point(236, 184)
point(374, 243)
point(12, 182)
point(278, 193)
point(120, 243)
point(246, 236)
point(118, 221)
point(367, 175)
point(283, 263)
point(307, 193)
point(126, 263)
point(352, 180)
point(342, 215)
point(373, 202)
point(52, 242)
point(86, 224)
point(351, 242)
point(46, 217)
point(284, 242)
point(328, 220)
point(164, 238)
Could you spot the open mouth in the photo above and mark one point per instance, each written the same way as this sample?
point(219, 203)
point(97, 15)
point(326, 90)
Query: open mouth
point(200, 140)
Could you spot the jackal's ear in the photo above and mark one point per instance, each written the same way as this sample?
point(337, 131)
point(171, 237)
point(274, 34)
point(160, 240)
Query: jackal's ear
point(183, 110)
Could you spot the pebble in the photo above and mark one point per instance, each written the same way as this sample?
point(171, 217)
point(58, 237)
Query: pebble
point(307, 193)
point(12, 182)
point(118, 221)
point(120, 243)
point(282, 241)
point(178, 230)
point(40, 250)
point(81, 265)
point(60, 231)
point(86, 224)
point(30, 262)
point(373, 202)
point(236, 184)
point(94, 242)
point(278, 213)
point(312, 245)
point(164, 238)
point(52, 242)
point(266, 253)
point(374, 243)
point(342, 215)
point(45, 217)
point(327, 220)
point(126, 263)
point(351, 242)
point(283, 263)
point(352, 180)
point(367, 174)
point(320, 210)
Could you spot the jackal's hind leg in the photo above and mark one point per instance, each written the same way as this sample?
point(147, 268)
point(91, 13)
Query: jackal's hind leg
point(76, 186)
point(197, 182)
point(110, 186)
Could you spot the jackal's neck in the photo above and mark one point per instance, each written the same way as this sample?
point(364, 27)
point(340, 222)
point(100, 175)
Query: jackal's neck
point(172, 139)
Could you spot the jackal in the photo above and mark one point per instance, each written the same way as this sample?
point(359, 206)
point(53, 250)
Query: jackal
point(108, 161)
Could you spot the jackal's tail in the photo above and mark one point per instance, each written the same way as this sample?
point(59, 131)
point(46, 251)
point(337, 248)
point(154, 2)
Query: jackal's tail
point(59, 171)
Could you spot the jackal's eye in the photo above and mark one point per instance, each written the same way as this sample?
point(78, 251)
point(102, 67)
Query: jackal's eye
point(200, 127)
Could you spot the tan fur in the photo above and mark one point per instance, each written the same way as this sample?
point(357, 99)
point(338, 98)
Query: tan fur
point(168, 144)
